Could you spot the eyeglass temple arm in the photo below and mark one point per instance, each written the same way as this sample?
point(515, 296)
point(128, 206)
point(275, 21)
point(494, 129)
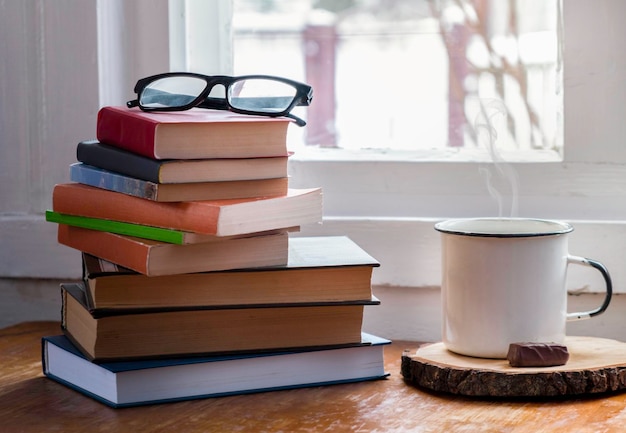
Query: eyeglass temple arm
point(299, 121)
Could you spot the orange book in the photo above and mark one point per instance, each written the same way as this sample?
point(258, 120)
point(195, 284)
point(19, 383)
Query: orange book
point(215, 217)
point(154, 258)
point(193, 134)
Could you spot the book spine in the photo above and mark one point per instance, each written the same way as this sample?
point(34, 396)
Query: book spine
point(129, 229)
point(125, 130)
point(44, 356)
point(89, 175)
point(112, 158)
point(63, 309)
point(109, 246)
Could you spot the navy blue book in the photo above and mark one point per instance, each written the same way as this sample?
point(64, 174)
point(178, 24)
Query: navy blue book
point(133, 383)
point(92, 152)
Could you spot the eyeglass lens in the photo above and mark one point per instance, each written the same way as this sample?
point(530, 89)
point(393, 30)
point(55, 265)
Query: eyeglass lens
point(171, 92)
point(253, 94)
point(262, 95)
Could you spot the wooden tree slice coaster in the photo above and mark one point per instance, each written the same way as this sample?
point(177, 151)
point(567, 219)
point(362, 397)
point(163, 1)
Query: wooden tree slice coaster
point(595, 365)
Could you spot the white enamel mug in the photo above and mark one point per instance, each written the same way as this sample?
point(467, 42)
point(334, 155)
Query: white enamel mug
point(504, 281)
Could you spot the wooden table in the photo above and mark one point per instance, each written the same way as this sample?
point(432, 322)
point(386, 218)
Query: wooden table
point(31, 403)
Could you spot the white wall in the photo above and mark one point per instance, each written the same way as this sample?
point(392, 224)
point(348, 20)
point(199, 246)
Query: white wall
point(61, 60)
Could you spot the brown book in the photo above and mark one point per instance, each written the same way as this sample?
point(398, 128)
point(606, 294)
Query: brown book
point(214, 217)
point(206, 331)
point(192, 134)
point(151, 257)
point(319, 269)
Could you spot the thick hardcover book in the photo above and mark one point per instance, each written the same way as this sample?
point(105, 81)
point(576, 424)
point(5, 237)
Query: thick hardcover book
point(112, 181)
point(171, 236)
point(213, 217)
point(97, 154)
point(148, 333)
point(192, 134)
point(121, 384)
point(319, 269)
point(152, 258)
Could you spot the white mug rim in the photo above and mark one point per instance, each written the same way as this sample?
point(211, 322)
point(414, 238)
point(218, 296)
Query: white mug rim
point(501, 227)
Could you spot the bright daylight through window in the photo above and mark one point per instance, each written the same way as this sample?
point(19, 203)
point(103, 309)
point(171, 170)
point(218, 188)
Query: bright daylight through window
point(406, 75)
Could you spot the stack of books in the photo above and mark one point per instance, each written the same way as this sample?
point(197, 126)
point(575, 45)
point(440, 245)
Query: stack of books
point(192, 286)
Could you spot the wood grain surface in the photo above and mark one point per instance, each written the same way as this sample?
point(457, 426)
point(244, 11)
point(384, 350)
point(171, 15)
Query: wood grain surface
point(595, 366)
point(31, 403)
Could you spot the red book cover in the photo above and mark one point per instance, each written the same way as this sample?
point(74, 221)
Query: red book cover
point(192, 134)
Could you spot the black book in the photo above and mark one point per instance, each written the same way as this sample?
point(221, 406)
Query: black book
point(97, 154)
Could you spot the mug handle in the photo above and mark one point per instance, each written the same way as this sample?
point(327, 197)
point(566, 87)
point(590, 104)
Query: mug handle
point(607, 280)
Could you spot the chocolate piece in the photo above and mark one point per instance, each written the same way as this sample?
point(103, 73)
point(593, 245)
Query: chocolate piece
point(537, 354)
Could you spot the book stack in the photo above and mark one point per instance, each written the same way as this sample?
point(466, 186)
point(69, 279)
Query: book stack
point(192, 286)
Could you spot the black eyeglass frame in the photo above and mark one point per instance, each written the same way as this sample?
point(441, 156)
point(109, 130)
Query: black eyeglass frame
point(303, 97)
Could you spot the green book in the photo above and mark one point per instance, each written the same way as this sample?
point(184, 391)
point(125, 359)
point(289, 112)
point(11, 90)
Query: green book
point(129, 229)
point(161, 234)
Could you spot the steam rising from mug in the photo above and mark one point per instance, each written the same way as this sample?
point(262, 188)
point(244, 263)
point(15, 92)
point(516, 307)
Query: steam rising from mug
point(487, 135)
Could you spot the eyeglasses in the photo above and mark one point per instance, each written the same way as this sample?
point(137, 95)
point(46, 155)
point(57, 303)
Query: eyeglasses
point(263, 95)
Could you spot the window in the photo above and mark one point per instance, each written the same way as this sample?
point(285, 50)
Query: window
point(421, 75)
point(387, 201)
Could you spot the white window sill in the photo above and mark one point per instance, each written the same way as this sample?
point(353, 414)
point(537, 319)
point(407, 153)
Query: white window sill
point(317, 154)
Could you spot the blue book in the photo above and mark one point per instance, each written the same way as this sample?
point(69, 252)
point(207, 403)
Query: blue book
point(133, 383)
point(174, 192)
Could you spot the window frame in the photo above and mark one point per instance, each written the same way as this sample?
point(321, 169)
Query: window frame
point(589, 72)
point(380, 197)
point(387, 203)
